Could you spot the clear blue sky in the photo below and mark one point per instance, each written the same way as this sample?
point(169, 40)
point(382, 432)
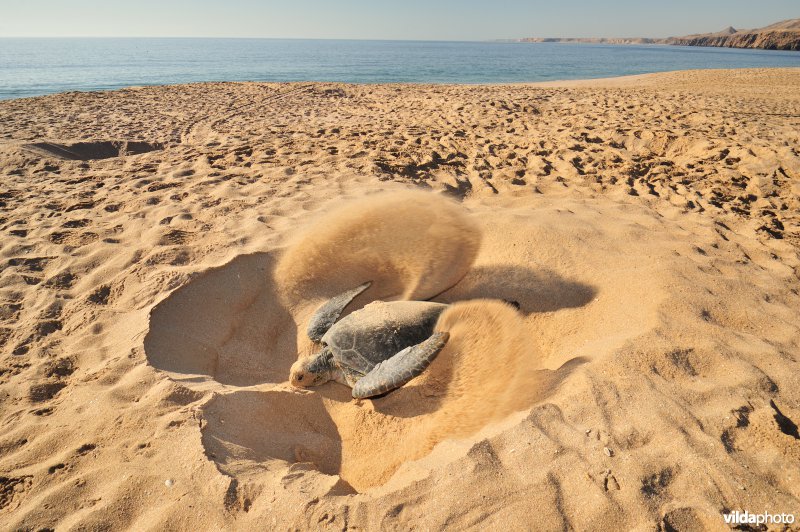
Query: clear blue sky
point(375, 19)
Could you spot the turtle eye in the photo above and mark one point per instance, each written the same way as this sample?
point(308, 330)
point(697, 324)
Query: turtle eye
point(300, 377)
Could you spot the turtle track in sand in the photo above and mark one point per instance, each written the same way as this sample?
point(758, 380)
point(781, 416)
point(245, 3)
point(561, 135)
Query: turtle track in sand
point(202, 129)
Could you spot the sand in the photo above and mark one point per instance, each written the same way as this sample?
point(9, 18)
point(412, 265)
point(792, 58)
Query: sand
point(163, 248)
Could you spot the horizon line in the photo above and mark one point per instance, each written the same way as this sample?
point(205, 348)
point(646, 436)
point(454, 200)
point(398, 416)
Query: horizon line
point(246, 37)
point(519, 40)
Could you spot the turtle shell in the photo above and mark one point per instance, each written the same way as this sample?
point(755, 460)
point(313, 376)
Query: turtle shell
point(377, 332)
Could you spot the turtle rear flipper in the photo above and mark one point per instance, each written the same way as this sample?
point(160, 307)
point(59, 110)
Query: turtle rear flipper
point(401, 368)
point(326, 315)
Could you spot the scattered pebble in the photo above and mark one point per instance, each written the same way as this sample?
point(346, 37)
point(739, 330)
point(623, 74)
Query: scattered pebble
point(169, 482)
point(608, 451)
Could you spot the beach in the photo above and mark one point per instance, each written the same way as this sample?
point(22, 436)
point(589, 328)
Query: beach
point(163, 248)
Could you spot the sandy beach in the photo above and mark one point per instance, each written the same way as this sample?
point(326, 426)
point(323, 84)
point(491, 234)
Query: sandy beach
point(164, 247)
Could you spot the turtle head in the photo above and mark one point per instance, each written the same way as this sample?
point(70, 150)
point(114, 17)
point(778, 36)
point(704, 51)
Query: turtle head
point(313, 370)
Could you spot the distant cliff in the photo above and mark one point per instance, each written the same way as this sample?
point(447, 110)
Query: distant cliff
point(593, 40)
point(771, 40)
point(784, 35)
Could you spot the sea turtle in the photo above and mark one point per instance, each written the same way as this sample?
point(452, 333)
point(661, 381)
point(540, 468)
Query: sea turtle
point(373, 350)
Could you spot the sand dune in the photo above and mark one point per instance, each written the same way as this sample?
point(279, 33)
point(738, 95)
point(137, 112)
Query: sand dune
point(164, 247)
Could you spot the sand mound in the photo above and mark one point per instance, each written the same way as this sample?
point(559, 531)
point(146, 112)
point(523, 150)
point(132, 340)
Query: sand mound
point(411, 245)
point(86, 151)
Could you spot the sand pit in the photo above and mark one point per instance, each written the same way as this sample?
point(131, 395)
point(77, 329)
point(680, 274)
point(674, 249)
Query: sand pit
point(228, 327)
point(87, 151)
point(236, 330)
point(243, 325)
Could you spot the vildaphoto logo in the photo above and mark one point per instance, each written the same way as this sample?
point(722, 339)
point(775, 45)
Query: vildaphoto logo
point(746, 518)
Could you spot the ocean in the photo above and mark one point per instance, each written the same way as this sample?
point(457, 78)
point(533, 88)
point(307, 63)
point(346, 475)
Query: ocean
point(32, 67)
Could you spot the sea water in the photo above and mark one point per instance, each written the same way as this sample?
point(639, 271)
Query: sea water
point(31, 67)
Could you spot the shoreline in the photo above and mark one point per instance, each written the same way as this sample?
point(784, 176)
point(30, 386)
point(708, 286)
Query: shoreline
point(580, 82)
point(632, 79)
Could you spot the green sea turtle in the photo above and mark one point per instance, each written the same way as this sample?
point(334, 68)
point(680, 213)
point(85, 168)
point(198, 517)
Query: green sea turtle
point(373, 350)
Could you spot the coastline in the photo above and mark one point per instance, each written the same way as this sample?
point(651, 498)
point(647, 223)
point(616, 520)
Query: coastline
point(783, 36)
point(652, 78)
point(647, 226)
point(102, 64)
point(630, 80)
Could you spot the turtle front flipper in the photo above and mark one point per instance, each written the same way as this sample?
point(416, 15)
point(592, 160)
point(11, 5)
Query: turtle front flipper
point(401, 368)
point(326, 315)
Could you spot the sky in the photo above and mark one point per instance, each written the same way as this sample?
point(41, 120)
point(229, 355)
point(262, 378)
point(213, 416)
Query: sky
point(376, 19)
